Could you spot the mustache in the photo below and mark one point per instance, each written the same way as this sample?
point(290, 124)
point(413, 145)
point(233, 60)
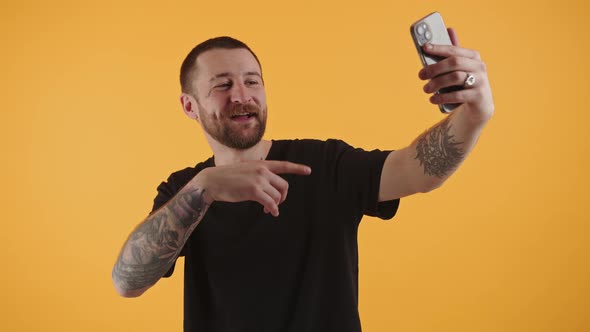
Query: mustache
point(239, 109)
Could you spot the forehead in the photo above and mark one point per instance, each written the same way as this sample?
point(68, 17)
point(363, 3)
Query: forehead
point(232, 61)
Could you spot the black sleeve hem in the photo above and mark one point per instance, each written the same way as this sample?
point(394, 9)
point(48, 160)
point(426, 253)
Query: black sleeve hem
point(386, 210)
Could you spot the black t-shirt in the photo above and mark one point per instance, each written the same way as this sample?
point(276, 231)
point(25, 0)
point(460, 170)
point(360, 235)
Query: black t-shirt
point(249, 271)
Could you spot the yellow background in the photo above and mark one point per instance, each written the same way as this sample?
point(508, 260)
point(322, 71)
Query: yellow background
point(91, 124)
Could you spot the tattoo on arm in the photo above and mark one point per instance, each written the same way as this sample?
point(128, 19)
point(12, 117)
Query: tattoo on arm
point(154, 245)
point(438, 151)
point(188, 207)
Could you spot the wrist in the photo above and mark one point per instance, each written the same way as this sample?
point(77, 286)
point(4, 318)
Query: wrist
point(200, 182)
point(474, 117)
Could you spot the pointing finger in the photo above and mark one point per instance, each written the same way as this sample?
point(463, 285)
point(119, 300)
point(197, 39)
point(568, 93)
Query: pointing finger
point(284, 167)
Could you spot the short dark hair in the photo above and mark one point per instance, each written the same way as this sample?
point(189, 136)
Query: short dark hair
point(189, 65)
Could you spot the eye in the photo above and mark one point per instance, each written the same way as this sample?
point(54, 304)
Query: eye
point(223, 86)
point(251, 82)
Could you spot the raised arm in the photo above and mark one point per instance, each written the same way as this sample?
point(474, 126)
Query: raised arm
point(437, 153)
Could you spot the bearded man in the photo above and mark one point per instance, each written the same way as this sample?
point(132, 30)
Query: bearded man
point(250, 266)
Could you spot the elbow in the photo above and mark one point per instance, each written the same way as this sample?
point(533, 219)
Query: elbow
point(123, 289)
point(129, 293)
point(431, 185)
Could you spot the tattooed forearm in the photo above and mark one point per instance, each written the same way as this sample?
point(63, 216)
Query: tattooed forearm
point(188, 207)
point(438, 151)
point(153, 246)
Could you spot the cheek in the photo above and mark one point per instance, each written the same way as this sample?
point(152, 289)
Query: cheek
point(211, 116)
point(210, 111)
point(261, 99)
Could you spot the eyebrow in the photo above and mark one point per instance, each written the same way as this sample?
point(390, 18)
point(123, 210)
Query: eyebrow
point(253, 73)
point(249, 73)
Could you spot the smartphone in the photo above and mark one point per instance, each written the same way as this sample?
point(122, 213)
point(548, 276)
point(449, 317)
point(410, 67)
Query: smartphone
point(432, 29)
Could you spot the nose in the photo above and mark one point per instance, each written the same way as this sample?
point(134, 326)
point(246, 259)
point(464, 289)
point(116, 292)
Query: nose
point(239, 94)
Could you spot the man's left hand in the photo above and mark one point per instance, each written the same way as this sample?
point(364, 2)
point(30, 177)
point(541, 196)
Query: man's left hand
point(454, 70)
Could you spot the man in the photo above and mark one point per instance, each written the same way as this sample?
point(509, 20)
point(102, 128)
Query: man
point(268, 228)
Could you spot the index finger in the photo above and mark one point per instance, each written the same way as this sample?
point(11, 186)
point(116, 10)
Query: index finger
point(450, 50)
point(283, 167)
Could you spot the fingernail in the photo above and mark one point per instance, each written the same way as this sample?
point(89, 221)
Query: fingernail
point(428, 46)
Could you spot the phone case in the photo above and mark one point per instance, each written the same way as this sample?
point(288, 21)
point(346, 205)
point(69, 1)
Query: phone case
point(432, 29)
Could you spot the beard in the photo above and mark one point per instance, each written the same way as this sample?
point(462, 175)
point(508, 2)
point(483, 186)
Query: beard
point(233, 134)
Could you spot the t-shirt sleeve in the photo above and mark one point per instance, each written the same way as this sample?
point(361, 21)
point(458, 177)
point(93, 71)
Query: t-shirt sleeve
point(358, 175)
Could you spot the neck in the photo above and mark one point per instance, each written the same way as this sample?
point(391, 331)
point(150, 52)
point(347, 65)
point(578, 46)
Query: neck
point(224, 155)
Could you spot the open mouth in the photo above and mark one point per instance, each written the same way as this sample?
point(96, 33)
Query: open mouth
point(243, 116)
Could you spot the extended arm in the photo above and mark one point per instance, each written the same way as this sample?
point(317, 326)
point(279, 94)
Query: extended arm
point(431, 158)
point(436, 154)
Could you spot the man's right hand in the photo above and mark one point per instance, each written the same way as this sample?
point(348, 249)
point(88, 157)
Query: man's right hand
point(250, 181)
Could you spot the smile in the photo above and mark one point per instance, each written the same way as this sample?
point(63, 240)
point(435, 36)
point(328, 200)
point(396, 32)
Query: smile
point(244, 116)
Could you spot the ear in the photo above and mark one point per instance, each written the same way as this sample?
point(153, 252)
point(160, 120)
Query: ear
point(189, 106)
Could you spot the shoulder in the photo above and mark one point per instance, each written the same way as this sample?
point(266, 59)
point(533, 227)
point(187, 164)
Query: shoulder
point(176, 181)
point(180, 178)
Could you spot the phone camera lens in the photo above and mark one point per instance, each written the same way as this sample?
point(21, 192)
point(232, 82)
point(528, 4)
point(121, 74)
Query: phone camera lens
point(428, 35)
point(421, 29)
